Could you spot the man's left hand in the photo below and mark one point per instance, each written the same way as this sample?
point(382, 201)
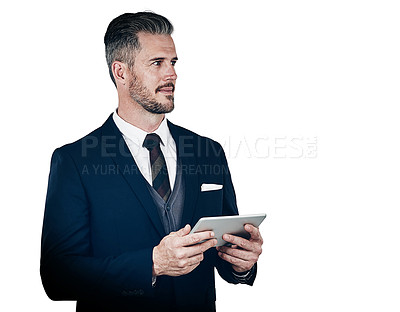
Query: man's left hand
point(243, 253)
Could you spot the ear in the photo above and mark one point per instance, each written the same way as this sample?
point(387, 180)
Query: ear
point(119, 71)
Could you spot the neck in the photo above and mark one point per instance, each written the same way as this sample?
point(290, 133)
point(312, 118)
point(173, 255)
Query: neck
point(136, 115)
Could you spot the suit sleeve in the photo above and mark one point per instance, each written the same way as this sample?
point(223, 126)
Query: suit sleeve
point(224, 268)
point(68, 269)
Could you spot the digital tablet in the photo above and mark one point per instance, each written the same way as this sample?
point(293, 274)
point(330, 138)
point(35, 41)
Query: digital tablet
point(228, 225)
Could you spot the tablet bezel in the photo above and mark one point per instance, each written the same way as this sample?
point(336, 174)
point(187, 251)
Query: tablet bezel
point(228, 225)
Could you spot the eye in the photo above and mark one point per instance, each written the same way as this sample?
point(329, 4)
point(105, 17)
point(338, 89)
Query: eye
point(156, 63)
point(173, 62)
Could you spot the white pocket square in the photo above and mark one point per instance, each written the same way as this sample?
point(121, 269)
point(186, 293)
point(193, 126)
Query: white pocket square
point(205, 187)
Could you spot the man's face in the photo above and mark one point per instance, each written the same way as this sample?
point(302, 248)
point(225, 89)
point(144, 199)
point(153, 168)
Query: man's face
point(153, 77)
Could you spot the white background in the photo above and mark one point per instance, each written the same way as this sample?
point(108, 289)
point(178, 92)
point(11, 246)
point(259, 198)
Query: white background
point(256, 76)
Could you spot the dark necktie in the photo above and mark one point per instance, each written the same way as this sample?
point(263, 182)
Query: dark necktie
point(159, 170)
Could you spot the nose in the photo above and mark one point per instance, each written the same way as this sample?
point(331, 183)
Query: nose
point(170, 73)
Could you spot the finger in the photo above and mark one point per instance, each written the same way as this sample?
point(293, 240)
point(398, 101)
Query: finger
point(239, 241)
point(196, 238)
point(195, 260)
point(219, 248)
point(190, 268)
point(184, 231)
point(182, 271)
point(200, 248)
point(239, 253)
point(254, 231)
point(246, 265)
point(189, 261)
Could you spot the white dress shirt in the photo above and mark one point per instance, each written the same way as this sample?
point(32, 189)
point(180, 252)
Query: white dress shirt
point(134, 138)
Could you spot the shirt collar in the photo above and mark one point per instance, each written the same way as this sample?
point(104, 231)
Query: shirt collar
point(137, 135)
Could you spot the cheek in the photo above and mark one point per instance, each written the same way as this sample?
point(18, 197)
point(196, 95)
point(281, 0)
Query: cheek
point(151, 82)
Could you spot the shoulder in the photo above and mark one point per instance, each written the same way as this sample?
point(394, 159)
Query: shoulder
point(92, 142)
point(89, 140)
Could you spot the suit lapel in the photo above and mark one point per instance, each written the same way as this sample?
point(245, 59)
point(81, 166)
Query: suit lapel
point(115, 147)
point(186, 154)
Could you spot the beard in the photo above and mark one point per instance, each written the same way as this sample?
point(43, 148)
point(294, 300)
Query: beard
point(142, 95)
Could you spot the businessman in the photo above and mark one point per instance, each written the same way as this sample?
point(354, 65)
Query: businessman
point(122, 200)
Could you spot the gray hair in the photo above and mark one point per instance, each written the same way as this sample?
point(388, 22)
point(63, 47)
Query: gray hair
point(121, 40)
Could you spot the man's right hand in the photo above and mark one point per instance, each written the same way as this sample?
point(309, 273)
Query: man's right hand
point(179, 253)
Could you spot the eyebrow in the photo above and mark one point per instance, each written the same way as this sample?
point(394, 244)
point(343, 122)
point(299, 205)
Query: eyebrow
point(162, 59)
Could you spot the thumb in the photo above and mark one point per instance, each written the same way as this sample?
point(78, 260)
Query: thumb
point(184, 231)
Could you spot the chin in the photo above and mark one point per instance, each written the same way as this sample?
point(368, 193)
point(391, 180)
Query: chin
point(161, 108)
point(168, 106)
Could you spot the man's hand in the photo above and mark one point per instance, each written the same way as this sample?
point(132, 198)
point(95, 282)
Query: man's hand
point(243, 253)
point(177, 255)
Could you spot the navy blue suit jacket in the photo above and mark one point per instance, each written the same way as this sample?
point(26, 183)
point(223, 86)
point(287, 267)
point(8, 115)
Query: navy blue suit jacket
point(101, 225)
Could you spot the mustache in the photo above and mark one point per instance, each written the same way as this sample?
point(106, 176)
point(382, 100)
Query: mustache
point(167, 85)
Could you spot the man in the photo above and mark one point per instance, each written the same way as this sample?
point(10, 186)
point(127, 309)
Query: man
point(122, 200)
